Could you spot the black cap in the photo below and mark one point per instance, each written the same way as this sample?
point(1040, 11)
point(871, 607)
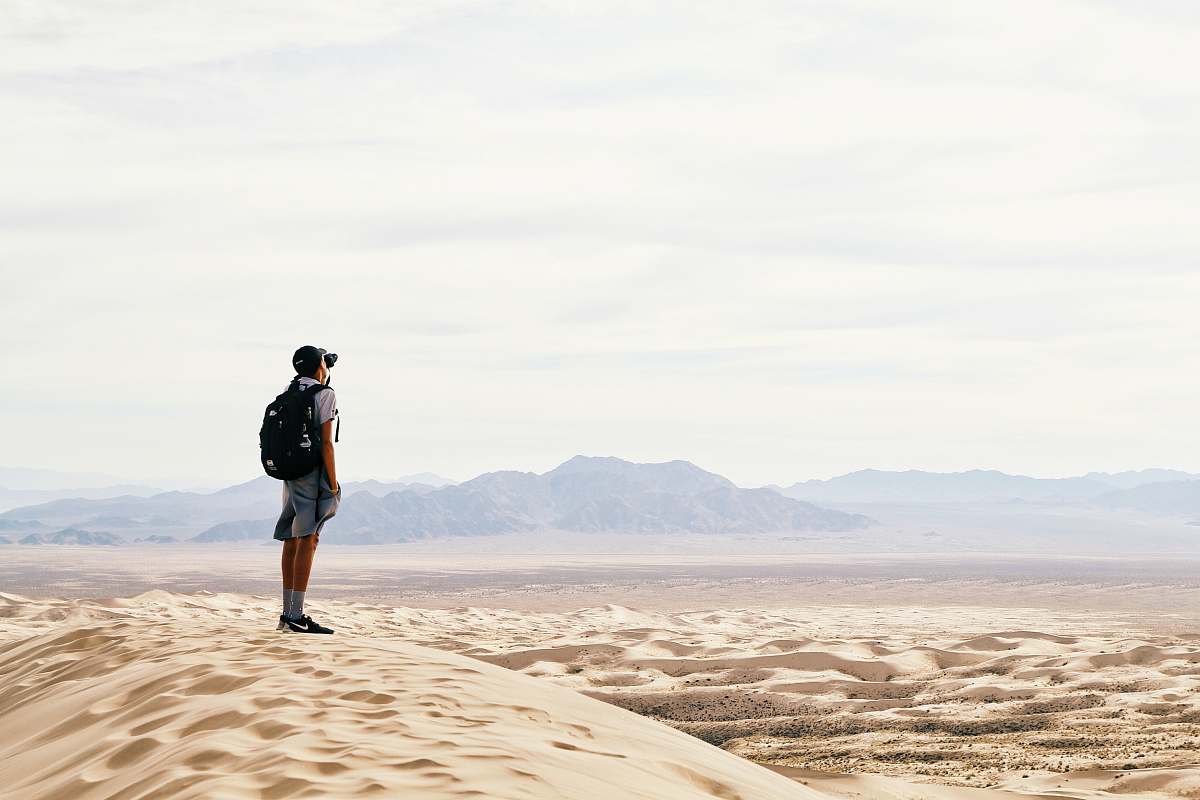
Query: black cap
point(307, 359)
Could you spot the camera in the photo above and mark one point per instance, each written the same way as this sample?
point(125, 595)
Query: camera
point(330, 360)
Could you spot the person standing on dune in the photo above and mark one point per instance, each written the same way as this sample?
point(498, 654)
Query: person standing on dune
point(297, 441)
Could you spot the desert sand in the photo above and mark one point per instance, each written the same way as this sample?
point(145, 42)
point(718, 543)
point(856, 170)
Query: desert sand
point(169, 696)
point(195, 695)
point(657, 576)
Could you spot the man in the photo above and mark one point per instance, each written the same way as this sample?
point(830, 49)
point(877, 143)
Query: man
point(308, 501)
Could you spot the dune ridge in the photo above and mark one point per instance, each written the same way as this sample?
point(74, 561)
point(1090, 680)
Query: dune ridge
point(175, 695)
point(122, 700)
point(964, 696)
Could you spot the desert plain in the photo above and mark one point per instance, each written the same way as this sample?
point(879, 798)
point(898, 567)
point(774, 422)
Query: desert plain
point(156, 672)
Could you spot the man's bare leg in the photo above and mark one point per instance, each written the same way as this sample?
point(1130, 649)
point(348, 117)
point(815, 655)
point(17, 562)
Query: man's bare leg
point(303, 551)
point(302, 561)
point(289, 563)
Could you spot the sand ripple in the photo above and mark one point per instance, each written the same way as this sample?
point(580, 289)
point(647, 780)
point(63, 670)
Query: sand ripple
point(169, 697)
point(958, 695)
point(146, 696)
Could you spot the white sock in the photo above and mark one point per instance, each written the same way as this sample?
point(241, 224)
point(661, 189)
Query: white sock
point(296, 606)
point(287, 599)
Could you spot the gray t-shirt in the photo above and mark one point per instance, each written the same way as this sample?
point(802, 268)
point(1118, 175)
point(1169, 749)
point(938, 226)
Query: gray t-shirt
point(326, 401)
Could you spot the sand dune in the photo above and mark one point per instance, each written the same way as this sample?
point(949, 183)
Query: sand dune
point(963, 696)
point(167, 695)
point(164, 697)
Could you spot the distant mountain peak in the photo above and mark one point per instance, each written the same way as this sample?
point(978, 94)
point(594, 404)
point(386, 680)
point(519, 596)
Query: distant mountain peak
point(672, 477)
point(582, 462)
point(1131, 479)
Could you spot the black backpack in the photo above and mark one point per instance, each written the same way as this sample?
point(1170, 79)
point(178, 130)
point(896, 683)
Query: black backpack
point(290, 438)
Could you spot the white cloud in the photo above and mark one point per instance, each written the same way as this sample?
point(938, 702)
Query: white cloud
point(781, 239)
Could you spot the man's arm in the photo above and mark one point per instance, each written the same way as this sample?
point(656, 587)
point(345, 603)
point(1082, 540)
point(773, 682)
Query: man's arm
point(327, 454)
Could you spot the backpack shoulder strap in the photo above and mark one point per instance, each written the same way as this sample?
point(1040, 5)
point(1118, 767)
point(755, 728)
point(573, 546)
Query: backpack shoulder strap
point(312, 392)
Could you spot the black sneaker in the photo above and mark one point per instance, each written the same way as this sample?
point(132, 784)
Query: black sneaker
point(282, 626)
point(305, 625)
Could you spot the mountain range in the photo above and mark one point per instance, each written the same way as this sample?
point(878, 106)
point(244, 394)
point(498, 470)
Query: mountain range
point(1168, 497)
point(15, 498)
point(974, 486)
point(593, 495)
point(23, 487)
point(587, 495)
point(71, 536)
point(170, 513)
point(583, 495)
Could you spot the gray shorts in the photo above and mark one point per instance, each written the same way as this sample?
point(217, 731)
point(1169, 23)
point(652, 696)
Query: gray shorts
point(304, 512)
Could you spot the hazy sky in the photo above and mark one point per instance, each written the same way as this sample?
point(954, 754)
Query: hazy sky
point(782, 240)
